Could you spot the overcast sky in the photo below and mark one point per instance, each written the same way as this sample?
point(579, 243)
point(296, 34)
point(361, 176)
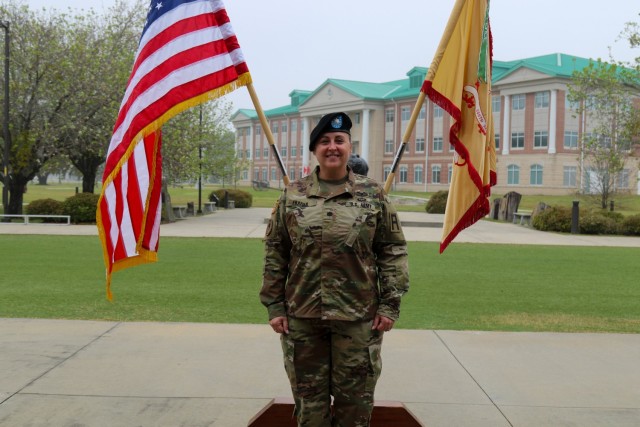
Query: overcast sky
point(298, 44)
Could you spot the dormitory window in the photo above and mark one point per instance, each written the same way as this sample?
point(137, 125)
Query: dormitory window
point(417, 175)
point(569, 175)
point(406, 113)
point(274, 127)
point(419, 145)
point(257, 152)
point(294, 151)
point(258, 130)
point(570, 139)
point(283, 151)
point(388, 146)
point(540, 139)
point(497, 139)
point(536, 175)
point(495, 104)
point(284, 127)
point(513, 175)
point(265, 152)
point(517, 102)
point(437, 143)
point(435, 174)
point(404, 172)
point(517, 140)
point(389, 116)
point(294, 125)
point(437, 111)
point(542, 100)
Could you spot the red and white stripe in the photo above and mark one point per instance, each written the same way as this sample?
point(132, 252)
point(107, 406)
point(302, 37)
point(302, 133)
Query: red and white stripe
point(185, 56)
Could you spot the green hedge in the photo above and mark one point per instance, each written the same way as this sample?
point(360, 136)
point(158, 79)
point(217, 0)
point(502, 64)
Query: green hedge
point(81, 207)
point(438, 202)
point(46, 207)
point(553, 218)
point(241, 199)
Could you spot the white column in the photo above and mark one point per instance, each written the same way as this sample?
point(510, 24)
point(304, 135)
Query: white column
point(365, 135)
point(506, 136)
point(305, 146)
point(553, 120)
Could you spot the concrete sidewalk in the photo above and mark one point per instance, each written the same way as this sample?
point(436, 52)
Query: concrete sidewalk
point(87, 373)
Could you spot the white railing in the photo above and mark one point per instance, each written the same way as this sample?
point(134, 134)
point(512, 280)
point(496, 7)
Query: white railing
point(26, 219)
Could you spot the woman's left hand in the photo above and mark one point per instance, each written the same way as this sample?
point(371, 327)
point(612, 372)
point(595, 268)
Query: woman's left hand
point(382, 323)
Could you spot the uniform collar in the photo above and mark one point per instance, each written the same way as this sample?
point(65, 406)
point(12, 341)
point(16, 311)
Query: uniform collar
point(314, 188)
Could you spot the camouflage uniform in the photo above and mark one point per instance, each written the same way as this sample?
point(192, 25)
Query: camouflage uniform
point(335, 257)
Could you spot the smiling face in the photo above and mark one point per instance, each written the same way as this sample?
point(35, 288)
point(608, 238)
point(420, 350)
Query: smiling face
point(332, 151)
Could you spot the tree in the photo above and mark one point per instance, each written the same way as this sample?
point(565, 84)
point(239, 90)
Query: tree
point(36, 46)
point(204, 129)
point(606, 98)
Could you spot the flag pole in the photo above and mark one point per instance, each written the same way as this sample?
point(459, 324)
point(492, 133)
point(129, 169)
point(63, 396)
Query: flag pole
point(267, 131)
point(405, 139)
point(455, 14)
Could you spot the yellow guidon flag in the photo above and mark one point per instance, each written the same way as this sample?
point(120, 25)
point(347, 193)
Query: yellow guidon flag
point(459, 81)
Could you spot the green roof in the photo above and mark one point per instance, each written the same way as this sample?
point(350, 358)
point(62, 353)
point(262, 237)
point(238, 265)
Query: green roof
point(554, 65)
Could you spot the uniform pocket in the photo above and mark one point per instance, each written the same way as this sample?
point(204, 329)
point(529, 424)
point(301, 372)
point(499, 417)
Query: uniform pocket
point(375, 365)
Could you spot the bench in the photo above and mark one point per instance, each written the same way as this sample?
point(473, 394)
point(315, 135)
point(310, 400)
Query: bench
point(524, 218)
point(26, 218)
point(260, 185)
point(180, 211)
point(210, 207)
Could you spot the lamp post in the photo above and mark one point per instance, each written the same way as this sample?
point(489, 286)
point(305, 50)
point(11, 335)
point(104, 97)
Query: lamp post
point(7, 141)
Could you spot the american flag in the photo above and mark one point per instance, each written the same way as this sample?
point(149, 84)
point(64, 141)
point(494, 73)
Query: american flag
point(188, 54)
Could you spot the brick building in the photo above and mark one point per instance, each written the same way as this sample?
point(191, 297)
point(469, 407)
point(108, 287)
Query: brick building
point(537, 131)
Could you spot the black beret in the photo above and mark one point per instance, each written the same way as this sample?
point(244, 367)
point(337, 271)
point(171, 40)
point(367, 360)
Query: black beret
point(333, 122)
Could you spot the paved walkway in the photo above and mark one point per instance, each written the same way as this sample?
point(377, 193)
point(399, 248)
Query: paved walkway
point(88, 373)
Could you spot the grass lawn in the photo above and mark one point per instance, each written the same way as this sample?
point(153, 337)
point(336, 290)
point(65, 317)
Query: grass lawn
point(625, 204)
point(469, 287)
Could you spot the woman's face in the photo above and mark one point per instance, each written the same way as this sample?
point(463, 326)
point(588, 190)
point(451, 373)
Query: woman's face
point(332, 151)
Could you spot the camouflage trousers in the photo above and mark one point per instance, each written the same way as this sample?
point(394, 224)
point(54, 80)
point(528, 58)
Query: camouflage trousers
point(329, 358)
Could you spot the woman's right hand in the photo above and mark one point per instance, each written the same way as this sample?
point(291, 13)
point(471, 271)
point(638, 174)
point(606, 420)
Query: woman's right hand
point(280, 325)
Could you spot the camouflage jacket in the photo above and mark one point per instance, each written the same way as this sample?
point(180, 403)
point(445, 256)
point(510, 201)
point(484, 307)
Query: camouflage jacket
point(342, 257)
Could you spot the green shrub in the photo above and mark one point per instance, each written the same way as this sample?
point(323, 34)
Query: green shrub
point(631, 225)
point(241, 199)
point(45, 207)
point(553, 218)
point(598, 223)
point(438, 202)
point(81, 207)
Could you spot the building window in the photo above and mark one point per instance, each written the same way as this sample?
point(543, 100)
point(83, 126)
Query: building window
point(294, 150)
point(405, 113)
point(356, 118)
point(256, 174)
point(265, 152)
point(569, 176)
point(419, 145)
point(437, 143)
point(536, 175)
point(283, 151)
point(570, 139)
point(273, 174)
point(437, 111)
point(294, 125)
point(495, 104)
point(245, 175)
point(264, 174)
point(292, 173)
point(449, 173)
point(283, 127)
point(257, 152)
point(387, 172)
point(417, 174)
point(274, 127)
point(542, 99)
point(388, 146)
point(389, 116)
point(435, 174)
point(540, 139)
point(517, 139)
point(513, 175)
point(423, 112)
point(622, 180)
point(248, 153)
point(497, 140)
point(404, 172)
point(517, 102)
point(258, 130)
